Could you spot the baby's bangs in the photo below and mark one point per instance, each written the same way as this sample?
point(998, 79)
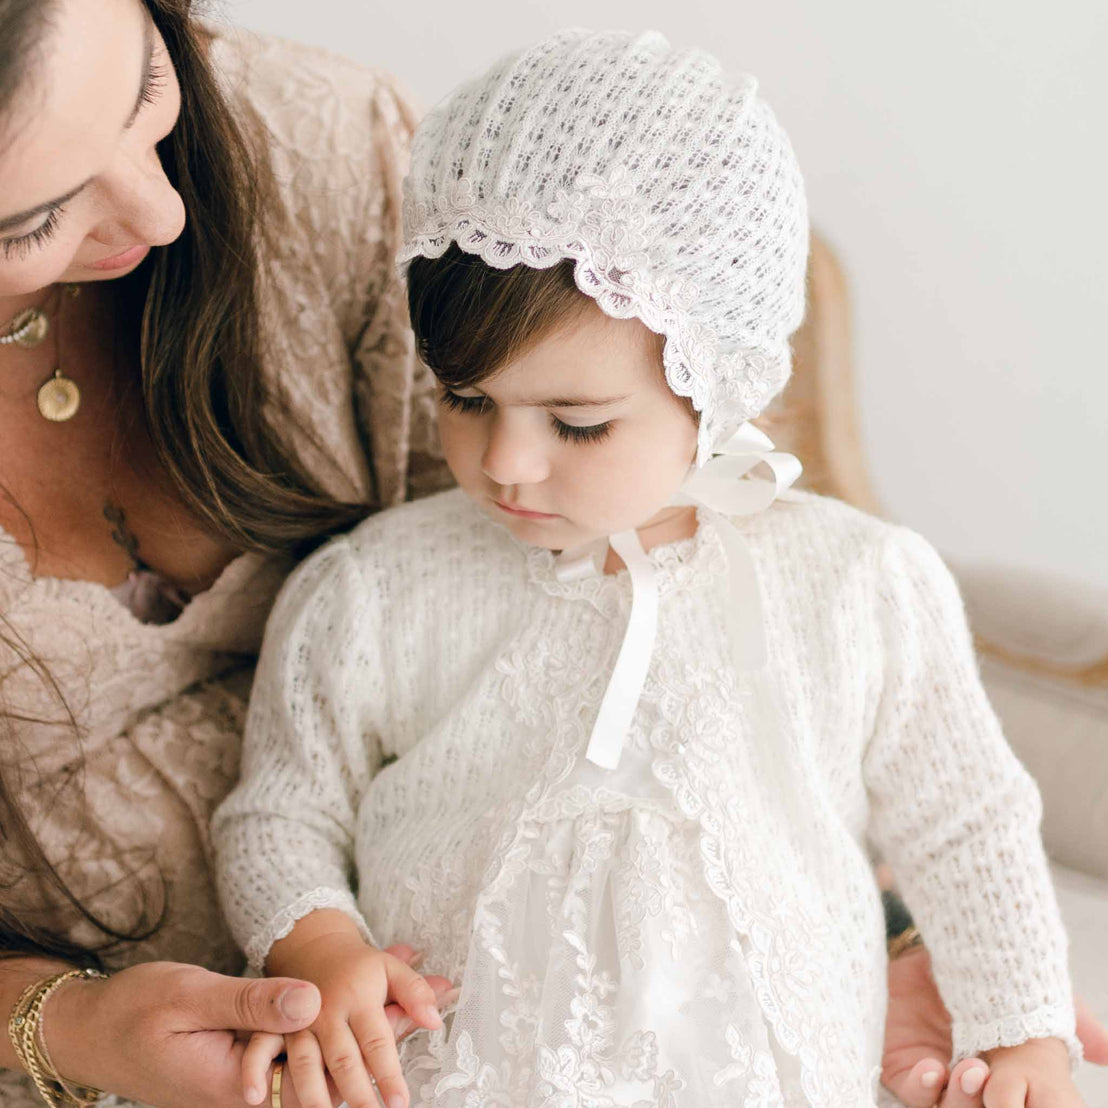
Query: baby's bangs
point(470, 320)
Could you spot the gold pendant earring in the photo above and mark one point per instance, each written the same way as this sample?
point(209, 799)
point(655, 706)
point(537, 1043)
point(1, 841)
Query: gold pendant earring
point(59, 398)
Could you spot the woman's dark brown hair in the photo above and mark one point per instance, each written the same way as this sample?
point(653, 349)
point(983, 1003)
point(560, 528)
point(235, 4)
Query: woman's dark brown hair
point(206, 403)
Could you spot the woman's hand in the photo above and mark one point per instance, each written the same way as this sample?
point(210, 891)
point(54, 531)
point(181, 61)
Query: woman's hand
point(165, 1034)
point(918, 1044)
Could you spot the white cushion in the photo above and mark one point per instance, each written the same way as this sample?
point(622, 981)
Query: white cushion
point(1059, 729)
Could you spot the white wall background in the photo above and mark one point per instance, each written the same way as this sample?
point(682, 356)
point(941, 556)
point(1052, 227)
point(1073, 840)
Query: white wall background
point(955, 156)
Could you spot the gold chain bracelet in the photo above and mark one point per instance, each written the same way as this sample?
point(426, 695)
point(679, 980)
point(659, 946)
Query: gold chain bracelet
point(25, 1030)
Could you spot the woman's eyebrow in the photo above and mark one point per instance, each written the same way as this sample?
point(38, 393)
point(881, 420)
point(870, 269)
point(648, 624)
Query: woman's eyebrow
point(10, 221)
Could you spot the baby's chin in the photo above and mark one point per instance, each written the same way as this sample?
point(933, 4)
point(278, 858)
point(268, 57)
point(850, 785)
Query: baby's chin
point(553, 534)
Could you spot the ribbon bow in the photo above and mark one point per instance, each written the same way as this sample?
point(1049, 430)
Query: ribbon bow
point(744, 476)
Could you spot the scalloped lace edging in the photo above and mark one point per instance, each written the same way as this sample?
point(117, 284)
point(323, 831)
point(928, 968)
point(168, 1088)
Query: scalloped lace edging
point(1051, 1022)
point(284, 921)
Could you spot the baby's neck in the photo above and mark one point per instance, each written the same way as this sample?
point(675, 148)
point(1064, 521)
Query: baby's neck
point(669, 525)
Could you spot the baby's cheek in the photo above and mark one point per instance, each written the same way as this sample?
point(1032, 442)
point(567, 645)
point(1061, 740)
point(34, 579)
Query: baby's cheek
point(631, 486)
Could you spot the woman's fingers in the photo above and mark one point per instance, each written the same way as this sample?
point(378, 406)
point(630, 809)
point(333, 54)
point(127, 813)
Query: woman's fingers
point(923, 1085)
point(257, 1057)
point(967, 1082)
point(407, 954)
point(377, 1046)
point(289, 1098)
point(279, 1005)
point(305, 1068)
point(1092, 1033)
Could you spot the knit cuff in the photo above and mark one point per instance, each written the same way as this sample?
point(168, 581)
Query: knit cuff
point(258, 947)
point(1051, 1022)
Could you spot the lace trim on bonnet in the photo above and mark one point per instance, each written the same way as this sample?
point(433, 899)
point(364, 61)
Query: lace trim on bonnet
point(743, 382)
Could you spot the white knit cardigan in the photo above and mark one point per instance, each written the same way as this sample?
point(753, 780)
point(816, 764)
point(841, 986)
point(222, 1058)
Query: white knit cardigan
point(431, 636)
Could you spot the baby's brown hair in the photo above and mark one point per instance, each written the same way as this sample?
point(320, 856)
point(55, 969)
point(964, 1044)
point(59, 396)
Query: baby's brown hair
point(470, 319)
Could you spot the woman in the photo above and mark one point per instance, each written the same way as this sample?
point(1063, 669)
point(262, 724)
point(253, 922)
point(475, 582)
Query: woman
point(234, 381)
point(227, 384)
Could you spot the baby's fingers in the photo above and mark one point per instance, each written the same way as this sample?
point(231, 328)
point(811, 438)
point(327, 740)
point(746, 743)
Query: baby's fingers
point(305, 1067)
point(256, 1060)
point(412, 992)
point(967, 1083)
point(402, 1024)
point(378, 1047)
point(344, 1060)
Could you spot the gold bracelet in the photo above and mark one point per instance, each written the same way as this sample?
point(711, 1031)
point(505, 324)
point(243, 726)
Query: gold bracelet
point(26, 1033)
point(900, 944)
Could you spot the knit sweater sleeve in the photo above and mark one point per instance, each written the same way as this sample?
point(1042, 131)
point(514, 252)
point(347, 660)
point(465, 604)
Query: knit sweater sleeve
point(284, 838)
point(958, 816)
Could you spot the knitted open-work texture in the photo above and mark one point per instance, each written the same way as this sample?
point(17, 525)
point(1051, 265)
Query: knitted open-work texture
point(670, 186)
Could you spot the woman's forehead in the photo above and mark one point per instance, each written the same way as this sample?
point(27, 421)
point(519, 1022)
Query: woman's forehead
point(66, 122)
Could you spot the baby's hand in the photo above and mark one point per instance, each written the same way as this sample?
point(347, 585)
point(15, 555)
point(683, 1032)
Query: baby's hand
point(352, 1037)
point(262, 1049)
point(1035, 1074)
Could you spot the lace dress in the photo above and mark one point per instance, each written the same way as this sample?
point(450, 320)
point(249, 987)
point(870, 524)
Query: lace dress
point(698, 927)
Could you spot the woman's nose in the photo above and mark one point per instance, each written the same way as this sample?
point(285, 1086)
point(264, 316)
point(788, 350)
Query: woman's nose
point(146, 207)
point(514, 453)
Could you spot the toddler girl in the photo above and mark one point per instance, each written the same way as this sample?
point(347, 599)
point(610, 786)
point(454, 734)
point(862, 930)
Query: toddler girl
point(603, 730)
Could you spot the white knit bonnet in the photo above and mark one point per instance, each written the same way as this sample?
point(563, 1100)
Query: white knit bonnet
point(670, 185)
point(677, 196)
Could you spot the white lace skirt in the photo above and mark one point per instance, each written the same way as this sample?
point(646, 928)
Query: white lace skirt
point(602, 972)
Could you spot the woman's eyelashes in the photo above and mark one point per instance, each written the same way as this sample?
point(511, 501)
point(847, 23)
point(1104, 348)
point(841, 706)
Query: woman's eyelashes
point(155, 80)
point(22, 245)
point(567, 432)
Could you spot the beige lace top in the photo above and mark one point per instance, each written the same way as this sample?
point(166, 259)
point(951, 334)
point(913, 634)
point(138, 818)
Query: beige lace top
point(160, 708)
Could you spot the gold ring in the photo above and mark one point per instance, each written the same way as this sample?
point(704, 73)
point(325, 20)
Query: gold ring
point(275, 1092)
point(908, 939)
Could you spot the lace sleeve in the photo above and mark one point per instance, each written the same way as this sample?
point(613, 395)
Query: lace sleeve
point(284, 837)
point(957, 816)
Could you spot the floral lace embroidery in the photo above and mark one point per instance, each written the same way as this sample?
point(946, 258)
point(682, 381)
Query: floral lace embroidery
point(687, 728)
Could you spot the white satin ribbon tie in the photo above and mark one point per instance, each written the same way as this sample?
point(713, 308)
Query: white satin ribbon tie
point(742, 478)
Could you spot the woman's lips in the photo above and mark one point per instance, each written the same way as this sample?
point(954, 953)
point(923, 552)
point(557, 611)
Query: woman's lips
point(522, 512)
point(121, 261)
